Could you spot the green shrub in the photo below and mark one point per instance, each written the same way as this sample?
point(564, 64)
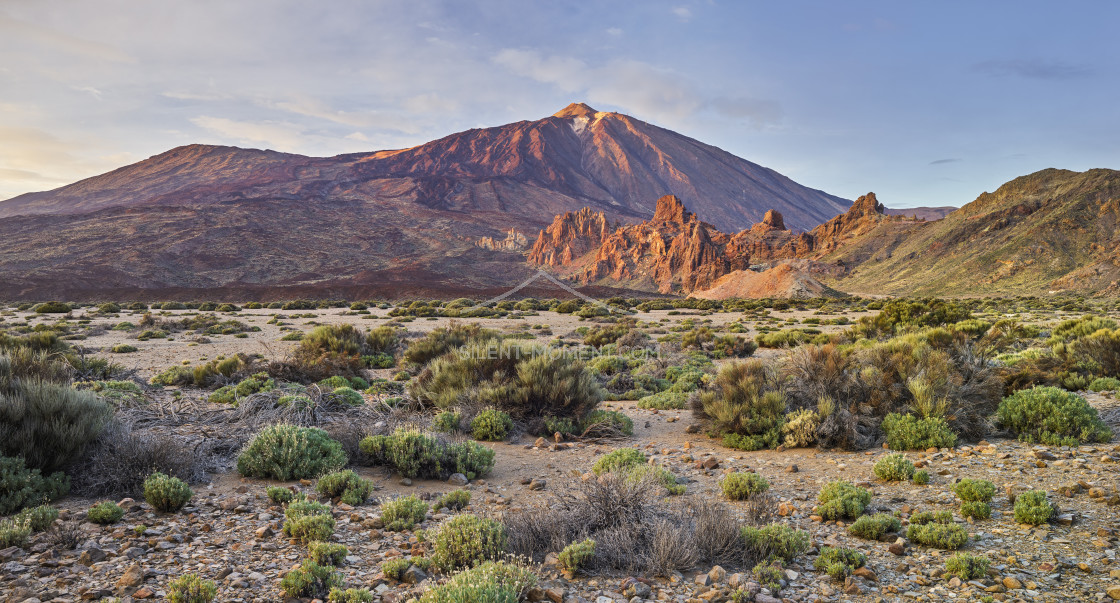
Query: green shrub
point(52, 307)
point(666, 400)
point(118, 393)
point(124, 348)
point(14, 531)
point(308, 521)
point(311, 580)
point(285, 452)
point(490, 582)
point(871, 527)
point(1033, 508)
point(1052, 416)
point(976, 509)
point(403, 513)
point(166, 493)
point(395, 568)
point(936, 530)
point(414, 454)
point(453, 501)
point(839, 563)
point(967, 566)
point(801, 428)
point(618, 459)
point(775, 539)
point(232, 394)
point(21, 487)
point(279, 495)
point(326, 553)
point(105, 513)
point(842, 500)
point(190, 588)
point(742, 408)
point(511, 378)
point(339, 350)
point(443, 340)
point(1105, 384)
point(608, 420)
point(348, 396)
point(447, 421)
point(768, 574)
point(974, 490)
point(577, 555)
point(909, 432)
point(741, 486)
point(39, 518)
point(921, 477)
point(491, 425)
point(350, 595)
point(48, 424)
point(346, 486)
point(466, 541)
point(894, 468)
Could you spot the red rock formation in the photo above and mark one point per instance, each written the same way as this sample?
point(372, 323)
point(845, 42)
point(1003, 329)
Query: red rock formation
point(676, 252)
point(570, 235)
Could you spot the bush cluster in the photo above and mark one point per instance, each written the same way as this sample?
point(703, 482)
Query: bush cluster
point(632, 465)
point(1033, 508)
point(21, 487)
point(166, 493)
point(1052, 416)
point(936, 530)
point(105, 513)
point(412, 453)
point(975, 495)
point(345, 486)
point(453, 501)
point(967, 566)
point(777, 540)
point(871, 527)
point(743, 407)
point(48, 424)
point(403, 513)
point(491, 425)
point(511, 378)
point(497, 581)
point(842, 500)
point(308, 521)
point(910, 432)
point(466, 541)
point(285, 452)
point(190, 588)
point(743, 485)
point(839, 563)
point(577, 555)
point(894, 468)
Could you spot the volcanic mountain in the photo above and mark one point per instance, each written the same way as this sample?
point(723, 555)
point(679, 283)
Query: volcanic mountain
point(442, 216)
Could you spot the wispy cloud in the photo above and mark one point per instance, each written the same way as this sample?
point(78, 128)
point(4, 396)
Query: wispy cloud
point(55, 40)
point(944, 161)
point(682, 12)
point(1034, 68)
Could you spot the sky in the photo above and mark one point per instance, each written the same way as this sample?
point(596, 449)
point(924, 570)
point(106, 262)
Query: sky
point(924, 103)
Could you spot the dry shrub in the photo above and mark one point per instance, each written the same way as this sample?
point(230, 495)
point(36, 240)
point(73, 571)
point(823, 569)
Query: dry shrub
point(121, 459)
point(634, 527)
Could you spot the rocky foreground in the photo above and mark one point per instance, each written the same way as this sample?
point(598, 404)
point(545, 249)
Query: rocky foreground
point(231, 533)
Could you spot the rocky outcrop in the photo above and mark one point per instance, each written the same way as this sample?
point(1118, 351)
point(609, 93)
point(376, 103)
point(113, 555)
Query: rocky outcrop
point(677, 252)
point(514, 241)
point(571, 235)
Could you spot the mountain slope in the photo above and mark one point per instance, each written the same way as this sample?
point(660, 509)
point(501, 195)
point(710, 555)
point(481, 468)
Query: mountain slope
point(531, 170)
point(1051, 230)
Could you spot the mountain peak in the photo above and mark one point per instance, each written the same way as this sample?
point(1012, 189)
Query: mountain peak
point(575, 110)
